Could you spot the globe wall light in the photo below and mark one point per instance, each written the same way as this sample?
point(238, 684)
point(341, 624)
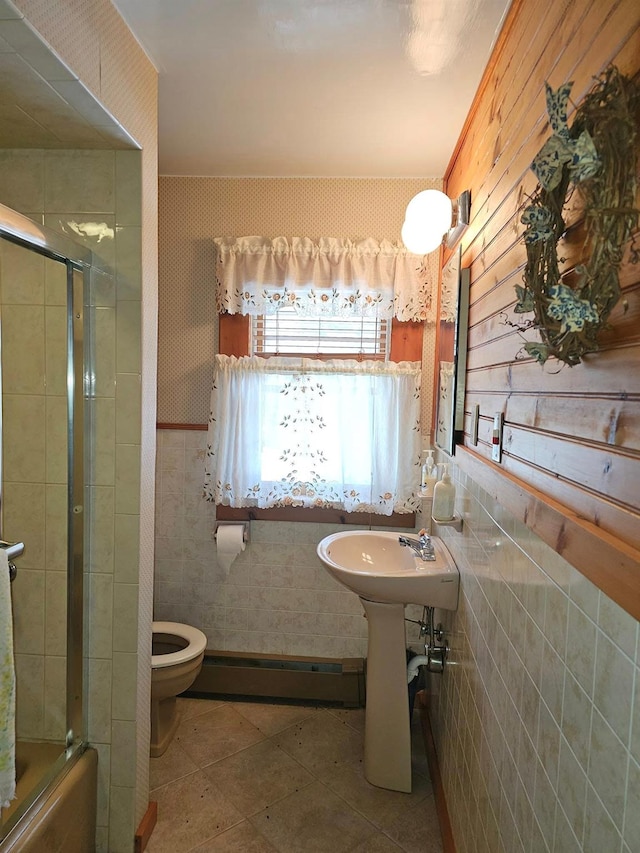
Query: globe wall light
point(431, 217)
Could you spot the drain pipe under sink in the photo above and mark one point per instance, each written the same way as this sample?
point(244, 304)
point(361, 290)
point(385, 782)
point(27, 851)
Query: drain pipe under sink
point(414, 665)
point(435, 647)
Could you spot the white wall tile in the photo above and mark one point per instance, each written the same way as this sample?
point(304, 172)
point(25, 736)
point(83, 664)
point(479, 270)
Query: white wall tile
point(277, 598)
point(580, 686)
point(55, 698)
point(95, 193)
point(29, 696)
point(28, 596)
point(22, 177)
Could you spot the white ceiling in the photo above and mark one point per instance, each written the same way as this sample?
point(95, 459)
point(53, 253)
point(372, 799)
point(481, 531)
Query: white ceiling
point(358, 88)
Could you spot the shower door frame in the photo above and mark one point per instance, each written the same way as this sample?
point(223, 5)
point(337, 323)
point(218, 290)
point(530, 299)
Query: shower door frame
point(25, 232)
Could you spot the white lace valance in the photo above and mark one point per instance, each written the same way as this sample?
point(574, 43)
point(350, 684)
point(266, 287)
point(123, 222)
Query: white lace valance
point(254, 275)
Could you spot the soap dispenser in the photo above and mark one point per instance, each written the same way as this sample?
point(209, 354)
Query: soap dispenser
point(429, 475)
point(444, 498)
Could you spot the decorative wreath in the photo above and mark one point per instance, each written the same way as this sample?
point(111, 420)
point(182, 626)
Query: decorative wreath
point(597, 155)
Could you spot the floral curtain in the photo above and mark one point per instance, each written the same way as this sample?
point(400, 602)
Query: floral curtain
point(310, 433)
point(255, 275)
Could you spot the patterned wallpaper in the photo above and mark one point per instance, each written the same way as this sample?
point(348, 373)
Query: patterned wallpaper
point(193, 210)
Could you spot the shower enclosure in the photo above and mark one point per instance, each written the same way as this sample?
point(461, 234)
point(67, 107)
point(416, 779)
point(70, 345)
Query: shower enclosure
point(45, 381)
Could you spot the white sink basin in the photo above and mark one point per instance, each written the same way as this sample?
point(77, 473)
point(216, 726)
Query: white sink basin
point(386, 576)
point(376, 567)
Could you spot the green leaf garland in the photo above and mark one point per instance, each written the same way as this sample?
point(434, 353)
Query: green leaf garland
point(597, 155)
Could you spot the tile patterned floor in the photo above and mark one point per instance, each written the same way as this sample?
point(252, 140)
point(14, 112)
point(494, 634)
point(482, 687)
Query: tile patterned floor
point(265, 778)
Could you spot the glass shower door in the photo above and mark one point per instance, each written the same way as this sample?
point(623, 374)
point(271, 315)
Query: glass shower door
point(41, 504)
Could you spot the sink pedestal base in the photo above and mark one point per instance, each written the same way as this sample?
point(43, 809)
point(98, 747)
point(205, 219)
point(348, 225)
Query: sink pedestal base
point(387, 733)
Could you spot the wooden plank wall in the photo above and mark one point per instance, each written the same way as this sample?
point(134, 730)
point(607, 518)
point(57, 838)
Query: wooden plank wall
point(571, 462)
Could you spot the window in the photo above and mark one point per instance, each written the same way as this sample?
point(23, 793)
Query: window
point(339, 434)
point(318, 410)
point(288, 333)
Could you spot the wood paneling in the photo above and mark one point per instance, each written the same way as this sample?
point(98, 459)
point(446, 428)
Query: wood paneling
point(571, 458)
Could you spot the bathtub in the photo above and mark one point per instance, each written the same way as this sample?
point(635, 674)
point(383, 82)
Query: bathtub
point(62, 817)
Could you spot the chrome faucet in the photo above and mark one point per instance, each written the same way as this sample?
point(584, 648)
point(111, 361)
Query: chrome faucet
point(423, 546)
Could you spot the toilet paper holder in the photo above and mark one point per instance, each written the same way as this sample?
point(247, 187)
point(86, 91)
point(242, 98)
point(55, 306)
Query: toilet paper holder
point(243, 524)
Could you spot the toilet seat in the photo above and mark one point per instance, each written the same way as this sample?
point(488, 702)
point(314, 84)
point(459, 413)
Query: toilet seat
point(195, 639)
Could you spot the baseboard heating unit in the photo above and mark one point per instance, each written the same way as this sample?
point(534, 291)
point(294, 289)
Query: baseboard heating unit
point(281, 677)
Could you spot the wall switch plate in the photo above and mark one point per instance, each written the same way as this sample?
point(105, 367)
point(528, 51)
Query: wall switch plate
point(496, 437)
point(474, 424)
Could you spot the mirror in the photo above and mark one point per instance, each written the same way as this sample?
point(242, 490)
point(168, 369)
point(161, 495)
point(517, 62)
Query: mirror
point(452, 353)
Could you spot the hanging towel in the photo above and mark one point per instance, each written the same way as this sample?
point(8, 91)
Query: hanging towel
point(7, 690)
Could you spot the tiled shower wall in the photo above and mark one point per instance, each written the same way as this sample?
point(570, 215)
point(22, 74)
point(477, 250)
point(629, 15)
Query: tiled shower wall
point(537, 716)
point(277, 597)
point(34, 481)
point(87, 196)
point(103, 57)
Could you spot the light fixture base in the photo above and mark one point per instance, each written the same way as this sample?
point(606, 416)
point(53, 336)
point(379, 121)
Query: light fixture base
point(461, 218)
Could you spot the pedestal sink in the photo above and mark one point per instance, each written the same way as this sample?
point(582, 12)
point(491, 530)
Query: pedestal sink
point(387, 576)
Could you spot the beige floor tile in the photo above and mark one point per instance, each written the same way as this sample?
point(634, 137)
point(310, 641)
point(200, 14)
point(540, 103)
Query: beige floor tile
point(383, 808)
point(353, 717)
point(313, 820)
point(283, 779)
point(191, 810)
point(242, 838)
point(174, 764)
point(216, 734)
point(377, 844)
point(419, 763)
point(419, 830)
point(188, 707)
point(321, 743)
point(258, 776)
point(271, 718)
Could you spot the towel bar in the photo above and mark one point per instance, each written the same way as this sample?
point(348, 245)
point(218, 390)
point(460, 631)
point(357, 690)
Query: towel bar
point(13, 549)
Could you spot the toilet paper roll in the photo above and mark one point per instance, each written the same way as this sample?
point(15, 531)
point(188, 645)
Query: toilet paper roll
point(229, 543)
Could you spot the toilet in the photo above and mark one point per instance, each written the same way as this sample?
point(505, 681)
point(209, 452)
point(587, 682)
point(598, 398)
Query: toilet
point(176, 659)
